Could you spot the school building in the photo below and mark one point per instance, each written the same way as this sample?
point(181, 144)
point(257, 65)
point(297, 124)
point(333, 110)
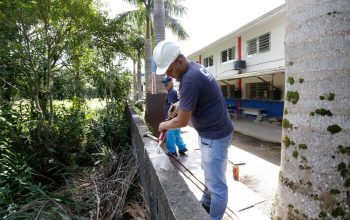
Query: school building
point(249, 65)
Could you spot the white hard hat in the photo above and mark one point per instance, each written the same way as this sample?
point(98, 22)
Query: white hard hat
point(164, 54)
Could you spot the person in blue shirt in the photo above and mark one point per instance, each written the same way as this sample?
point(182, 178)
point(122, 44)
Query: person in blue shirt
point(173, 137)
point(201, 100)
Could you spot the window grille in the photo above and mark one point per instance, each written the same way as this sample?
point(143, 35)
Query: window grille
point(258, 90)
point(231, 53)
point(264, 43)
point(259, 45)
point(252, 47)
point(208, 61)
point(227, 55)
point(211, 61)
point(223, 56)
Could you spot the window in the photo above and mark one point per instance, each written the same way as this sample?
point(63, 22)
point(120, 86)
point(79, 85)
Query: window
point(227, 55)
point(231, 91)
point(208, 61)
point(258, 90)
point(251, 47)
point(262, 43)
point(227, 90)
point(224, 91)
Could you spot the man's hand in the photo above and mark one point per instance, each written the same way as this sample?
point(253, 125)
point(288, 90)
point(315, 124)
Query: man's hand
point(173, 110)
point(161, 127)
point(181, 120)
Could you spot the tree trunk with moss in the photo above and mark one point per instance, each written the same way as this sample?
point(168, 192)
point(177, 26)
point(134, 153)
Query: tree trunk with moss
point(314, 179)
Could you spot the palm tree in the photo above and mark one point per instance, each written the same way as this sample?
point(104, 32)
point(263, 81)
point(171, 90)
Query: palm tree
point(164, 19)
point(159, 34)
point(145, 8)
point(159, 21)
point(136, 51)
point(135, 44)
point(315, 170)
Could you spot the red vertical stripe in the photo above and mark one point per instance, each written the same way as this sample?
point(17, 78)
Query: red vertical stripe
point(239, 104)
point(239, 48)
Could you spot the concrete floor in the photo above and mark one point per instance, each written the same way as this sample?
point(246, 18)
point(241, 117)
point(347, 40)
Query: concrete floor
point(259, 130)
point(252, 197)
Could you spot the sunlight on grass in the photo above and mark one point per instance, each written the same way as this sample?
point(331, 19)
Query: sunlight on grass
point(91, 103)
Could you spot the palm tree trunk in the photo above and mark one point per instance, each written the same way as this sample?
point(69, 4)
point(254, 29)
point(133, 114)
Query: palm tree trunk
point(315, 170)
point(134, 80)
point(159, 33)
point(148, 56)
point(139, 81)
point(159, 21)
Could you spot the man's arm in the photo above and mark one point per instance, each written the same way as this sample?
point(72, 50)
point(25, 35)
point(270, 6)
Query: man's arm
point(181, 120)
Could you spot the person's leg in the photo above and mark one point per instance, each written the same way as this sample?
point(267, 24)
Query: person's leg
point(179, 141)
point(214, 164)
point(170, 141)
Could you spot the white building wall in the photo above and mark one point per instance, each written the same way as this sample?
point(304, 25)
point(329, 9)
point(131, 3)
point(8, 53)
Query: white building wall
point(273, 59)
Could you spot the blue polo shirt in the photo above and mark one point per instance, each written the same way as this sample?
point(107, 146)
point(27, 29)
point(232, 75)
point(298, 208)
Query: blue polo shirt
point(200, 93)
point(170, 99)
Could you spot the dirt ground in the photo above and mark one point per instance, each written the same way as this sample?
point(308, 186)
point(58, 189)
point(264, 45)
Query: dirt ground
point(264, 185)
point(265, 150)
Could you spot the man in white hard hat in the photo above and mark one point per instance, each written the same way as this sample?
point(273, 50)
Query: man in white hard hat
point(201, 101)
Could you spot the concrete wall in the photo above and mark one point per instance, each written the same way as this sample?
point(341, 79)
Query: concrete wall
point(165, 191)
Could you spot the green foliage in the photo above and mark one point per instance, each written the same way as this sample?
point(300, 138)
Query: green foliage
point(57, 50)
point(344, 149)
point(338, 212)
point(334, 191)
point(286, 124)
point(333, 129)
point(287, 142)
point(292, 96)
point(295, 154)
point(330, 96)
point(323, 112)
point(36, 158)
point(290, 80)
point(303, 146)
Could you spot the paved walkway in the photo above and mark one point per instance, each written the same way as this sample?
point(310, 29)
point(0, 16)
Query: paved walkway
point(259, 130)
point(252, 200)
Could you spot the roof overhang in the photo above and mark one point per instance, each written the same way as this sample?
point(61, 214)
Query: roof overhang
point(251, 74)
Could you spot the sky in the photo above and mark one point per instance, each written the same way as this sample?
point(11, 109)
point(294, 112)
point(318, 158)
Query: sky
point(208, 20)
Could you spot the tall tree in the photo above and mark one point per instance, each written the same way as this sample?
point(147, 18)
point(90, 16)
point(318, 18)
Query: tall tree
point(159, 21)
point(45, 38)
point(172, 8)
point(135, 42)
point(159, 34)
point(315, 170)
